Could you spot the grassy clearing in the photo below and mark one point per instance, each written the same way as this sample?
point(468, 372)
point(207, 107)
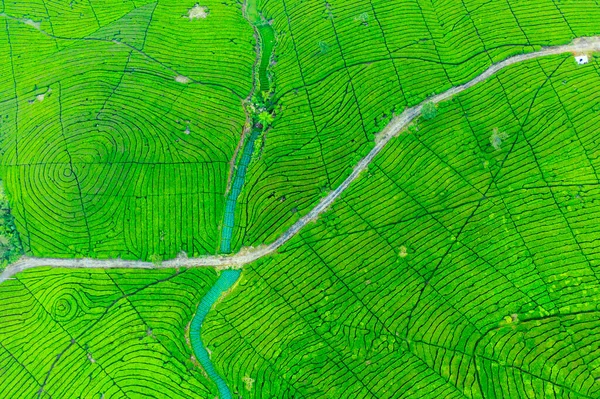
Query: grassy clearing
point(267, 42)
point(94, 334)
point(343, 68)
point(453, 268)
point(118, 124)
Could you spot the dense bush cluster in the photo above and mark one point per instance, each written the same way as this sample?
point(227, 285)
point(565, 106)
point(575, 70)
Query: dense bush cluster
point(10, 243)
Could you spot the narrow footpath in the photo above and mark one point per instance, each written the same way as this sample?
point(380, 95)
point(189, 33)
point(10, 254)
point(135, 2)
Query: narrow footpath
point(247, 255)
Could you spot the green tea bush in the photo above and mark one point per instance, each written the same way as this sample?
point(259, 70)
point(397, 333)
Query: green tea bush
point(451, 269)
point(333, 100)
point(10, 243)
point(429, 111)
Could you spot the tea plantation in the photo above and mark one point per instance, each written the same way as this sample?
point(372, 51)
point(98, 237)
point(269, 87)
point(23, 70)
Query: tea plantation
point(119, 121)
point(380, 57)
point(463, 264)
point(142, 142)
point(92, 334)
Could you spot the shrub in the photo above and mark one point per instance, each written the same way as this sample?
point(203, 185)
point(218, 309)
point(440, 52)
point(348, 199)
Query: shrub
point(429, 111)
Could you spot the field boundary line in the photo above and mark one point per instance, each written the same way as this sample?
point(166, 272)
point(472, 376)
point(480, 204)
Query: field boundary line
point(397, 125)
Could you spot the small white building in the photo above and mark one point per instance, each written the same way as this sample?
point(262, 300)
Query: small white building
point(582, 59)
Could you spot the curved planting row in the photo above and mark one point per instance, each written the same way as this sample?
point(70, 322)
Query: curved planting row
point(463, 263)
point(102, 334)
point(117, 132)
point(226, 280)
point(259, 110)
point(344, 67)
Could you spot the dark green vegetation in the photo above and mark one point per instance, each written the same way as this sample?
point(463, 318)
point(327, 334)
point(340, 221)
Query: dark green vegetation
point(429, 111)
point(259, 113)
point(344, 66)
point(266, 39)
point(464, 263)
point(118, 123)
point(10, 244)
point(101, 334)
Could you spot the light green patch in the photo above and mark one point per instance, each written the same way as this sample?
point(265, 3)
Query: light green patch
point(248, 383)
point(497, 138)
point(198, 12)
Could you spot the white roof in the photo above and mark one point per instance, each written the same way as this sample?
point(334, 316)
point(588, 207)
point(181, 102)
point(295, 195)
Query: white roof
point(581, 59)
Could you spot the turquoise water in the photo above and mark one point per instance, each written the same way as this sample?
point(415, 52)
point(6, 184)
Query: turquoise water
point(267, 42)
point(236, 189)
point(229, 277)
point(225, 281)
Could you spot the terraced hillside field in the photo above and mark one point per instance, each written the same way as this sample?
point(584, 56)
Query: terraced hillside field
point(464, 263)
point(101, 334)
point(148, 146)
point(343, 68)
point(119, 121)
point(11, 248)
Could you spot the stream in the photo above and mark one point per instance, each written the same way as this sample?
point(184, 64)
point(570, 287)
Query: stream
point(225, 281)
point(266, 40)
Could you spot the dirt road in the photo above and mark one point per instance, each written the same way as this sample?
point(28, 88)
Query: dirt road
point(397, 125)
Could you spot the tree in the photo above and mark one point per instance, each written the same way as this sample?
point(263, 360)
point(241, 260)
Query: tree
point(11, 248)
point(429, 110)
point(265, 119)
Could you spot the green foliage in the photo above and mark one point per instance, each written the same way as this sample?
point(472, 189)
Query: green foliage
point(10, 244)
point(267, 40)
point(323, 47)
point(429, 111)
point(266, 119)
point(120, 158)
point(451, 269)
point(461, 265)
point(156, 259)
point(364, 17)
point(252, 12)
point(335, 92)
point(257, 150)
point(96, 333)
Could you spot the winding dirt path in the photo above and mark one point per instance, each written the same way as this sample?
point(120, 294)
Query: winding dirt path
point(247, 255)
